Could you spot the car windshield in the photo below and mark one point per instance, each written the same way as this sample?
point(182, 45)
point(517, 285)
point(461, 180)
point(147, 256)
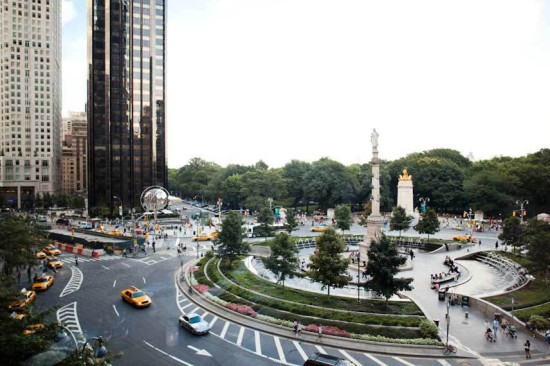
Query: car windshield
point(195, 319)
point(138, 294)
point(41, 279)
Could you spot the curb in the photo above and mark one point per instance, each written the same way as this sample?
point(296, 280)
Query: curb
point(349, 344)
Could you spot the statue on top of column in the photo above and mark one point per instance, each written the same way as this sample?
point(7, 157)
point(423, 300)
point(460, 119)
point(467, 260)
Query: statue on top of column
point(374, 140)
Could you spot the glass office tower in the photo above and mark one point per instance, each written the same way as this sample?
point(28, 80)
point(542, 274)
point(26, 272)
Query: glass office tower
point(126, 101)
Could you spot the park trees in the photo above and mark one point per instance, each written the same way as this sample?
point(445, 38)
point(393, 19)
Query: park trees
point(400, 220)
point(283, 260)
point(428, 223)
point(511, 231)
point(383, 265)
point(231, 238)
point(328, 183)
point(294, 175)
point(265, 219)
point(343, 217)
point(536, 237)
point(327, 265)
point(291, 224)
point(17, 242)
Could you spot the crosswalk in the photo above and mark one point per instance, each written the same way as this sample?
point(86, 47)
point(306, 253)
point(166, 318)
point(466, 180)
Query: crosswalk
point(291, 350)
point(68, 317)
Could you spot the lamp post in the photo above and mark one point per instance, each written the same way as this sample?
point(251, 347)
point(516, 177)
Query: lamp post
point(198, 220)
point(521, 204)
point(101, 350)
point(448, 322)
point(469, 215)
point(424, 204)
point(270, 200)
point(120, 210)
point(358, 275)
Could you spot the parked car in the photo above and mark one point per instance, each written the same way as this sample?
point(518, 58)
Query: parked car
point(26, 298)
point(194, 323)
point(42, 283)
point(51, 250)
point(466, 237)
point(319, 228)
point(63, 221)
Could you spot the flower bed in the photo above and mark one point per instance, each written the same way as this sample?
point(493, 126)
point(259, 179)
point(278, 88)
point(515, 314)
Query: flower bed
point(328, 330)
point(242, 309)
point(202, 288)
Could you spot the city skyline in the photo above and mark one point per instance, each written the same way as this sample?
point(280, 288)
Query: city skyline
point(255, 80)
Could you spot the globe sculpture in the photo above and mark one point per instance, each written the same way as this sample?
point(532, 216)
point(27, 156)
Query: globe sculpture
point(154, 198)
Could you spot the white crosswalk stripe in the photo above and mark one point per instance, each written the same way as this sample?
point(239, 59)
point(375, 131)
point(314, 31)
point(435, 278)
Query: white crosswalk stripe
point(68, 316)
point(280, 351)
point(74, 283)
point(374, 359)
point(403, 361)
point(300, 349)
point(348, 356)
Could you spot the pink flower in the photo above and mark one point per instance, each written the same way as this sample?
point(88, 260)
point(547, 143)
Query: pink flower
point(201, 288)
point(242, 309)
point(327, 329)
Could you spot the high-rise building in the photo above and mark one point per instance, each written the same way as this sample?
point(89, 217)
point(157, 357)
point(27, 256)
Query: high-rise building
point(75, 152)
point(30, 102)
point(126, 101)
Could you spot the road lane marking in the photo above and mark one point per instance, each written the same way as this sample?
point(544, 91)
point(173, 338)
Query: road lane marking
point(188, 305)
point(280, 351)
point(114, 283)
point(213, 321)
point(166, 354)
point(300, 350)
point(375, 359)
point(106, 268)
point(114, 307)
point(144, 282)
point(444, 363)
point(347, 355)
point(258, 343)
point(224, 330)
point(195, 310)
point(68, 316)
point(240, 336)
point(402, 361)
point(74, 283)
point(126, 264)
point(320, 349)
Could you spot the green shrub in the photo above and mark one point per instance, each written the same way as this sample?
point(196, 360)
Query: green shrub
point(539, 322)
point(428, 329)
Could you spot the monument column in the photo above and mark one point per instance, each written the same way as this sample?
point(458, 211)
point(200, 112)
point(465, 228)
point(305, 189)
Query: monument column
point(375, 219)
point(405, 193)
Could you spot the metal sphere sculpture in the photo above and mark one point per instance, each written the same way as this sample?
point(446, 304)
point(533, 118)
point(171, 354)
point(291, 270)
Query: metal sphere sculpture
point(154, 198)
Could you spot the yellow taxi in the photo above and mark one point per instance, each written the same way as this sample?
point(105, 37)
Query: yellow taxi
point(42, 283)
point(33, 328)
point(53, 262)
point(51, 250)
point(206, 237)
point(26, 298)
point(40, 255)
point(136, 297)
point(319, 228)
point(466, 237)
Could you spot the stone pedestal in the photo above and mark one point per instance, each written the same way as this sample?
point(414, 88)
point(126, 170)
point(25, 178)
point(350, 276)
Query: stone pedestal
point(405, 193)
point(374, 232)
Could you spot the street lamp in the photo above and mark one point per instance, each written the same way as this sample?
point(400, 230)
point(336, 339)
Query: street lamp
point(358, 275)
point(101, 350)
point(448, 321)
point(120, 210)
point(521, 210)
point(270, 200)
point(469, 215)
point(424, 204)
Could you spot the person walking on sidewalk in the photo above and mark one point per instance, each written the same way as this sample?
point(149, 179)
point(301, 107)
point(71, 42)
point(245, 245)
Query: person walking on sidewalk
point(295, 326)
point(320, 333)
point(527, 348)
point(76, 260)
point(496, 325)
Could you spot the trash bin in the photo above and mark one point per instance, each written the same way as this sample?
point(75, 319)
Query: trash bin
point(441, 295)
point(465, 301)
point(436, 321)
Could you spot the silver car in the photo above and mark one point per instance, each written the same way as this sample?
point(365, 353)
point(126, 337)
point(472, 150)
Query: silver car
point(194, 323)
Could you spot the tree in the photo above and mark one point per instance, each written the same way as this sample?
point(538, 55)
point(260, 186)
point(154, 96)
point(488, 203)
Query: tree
point(265, 219)
point(399, 220)
point(231, 238)
point(428, 224)
point(294, 175)
point(343, 217)
point(291, 224)
point(283, 260)
point(511, 231)
point(17, 242)
point(327, 265)
point(383, 265)
point(536, 237)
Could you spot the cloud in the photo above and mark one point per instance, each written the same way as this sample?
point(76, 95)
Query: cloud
point(69, 11)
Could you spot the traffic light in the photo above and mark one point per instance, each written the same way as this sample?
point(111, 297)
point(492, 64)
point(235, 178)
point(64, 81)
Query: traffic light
point(514, 213)
point(524, 213)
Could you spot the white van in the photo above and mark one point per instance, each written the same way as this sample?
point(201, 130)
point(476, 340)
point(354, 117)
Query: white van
point(42, 218)
point(84, 225)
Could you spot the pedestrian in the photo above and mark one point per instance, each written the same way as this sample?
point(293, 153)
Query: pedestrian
point(320, 333)
point(527, 348)
point(479, 242)
point(496, 326)
point(76, 260)
point(295, 326)
point(29, 273)
point(300, 327)
point(412, 254)
point(154, 250)
point(496, 244)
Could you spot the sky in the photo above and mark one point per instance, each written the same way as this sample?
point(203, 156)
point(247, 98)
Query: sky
point(276, 80)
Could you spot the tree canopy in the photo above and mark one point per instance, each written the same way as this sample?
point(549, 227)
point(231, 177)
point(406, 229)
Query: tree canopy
point(283, 260)
point(231, 237)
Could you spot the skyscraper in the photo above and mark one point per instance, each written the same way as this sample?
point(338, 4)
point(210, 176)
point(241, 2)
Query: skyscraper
point(126, 100)
point(30, 103)
point(75, 160)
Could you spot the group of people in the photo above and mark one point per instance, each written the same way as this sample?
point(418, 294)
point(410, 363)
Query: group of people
point(452, 267)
